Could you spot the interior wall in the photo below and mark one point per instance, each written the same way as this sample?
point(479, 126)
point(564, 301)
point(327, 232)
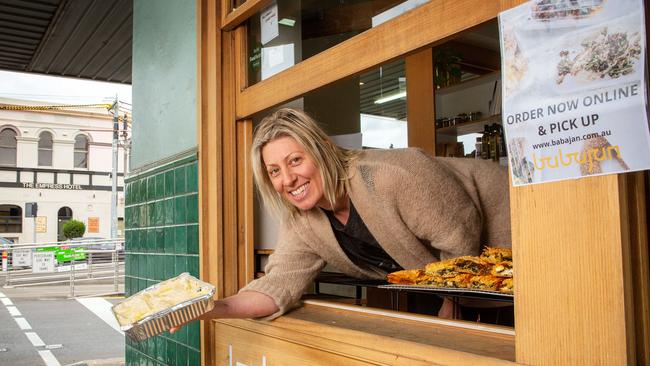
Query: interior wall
point(336, 107)
point(164, 79)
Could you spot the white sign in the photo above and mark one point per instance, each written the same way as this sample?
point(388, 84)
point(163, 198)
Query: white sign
point(52, 186)
point(269, 24)
point(276, 59)
point(574, 94)
point(77, 267)
point(43, 262)
point(22, 257)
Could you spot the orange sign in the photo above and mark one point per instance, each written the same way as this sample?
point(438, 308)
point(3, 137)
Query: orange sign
point(93, 224)
point(41, 224)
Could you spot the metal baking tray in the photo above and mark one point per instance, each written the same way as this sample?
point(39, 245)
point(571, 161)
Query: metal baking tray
point(170, 317)
point(454, 292)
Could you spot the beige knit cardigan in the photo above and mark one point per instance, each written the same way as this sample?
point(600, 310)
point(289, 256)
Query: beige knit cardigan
point(419, 209)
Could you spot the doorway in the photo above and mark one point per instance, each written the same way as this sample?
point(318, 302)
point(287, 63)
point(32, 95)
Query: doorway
point(64, 215)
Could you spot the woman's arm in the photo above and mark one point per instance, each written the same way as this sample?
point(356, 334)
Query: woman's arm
point(246, 304)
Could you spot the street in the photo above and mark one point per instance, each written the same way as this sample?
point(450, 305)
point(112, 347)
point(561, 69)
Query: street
point(42, 326)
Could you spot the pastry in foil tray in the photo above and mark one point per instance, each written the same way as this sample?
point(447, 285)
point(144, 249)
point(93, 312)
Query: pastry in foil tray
point(160, 297)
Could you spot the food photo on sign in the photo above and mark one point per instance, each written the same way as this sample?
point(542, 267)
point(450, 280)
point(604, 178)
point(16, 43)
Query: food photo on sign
point(574, 89)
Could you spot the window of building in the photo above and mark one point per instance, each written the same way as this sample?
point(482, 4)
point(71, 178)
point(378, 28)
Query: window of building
point(81, 151)
point(8, 147)
point(11, 219)
point(45, 149)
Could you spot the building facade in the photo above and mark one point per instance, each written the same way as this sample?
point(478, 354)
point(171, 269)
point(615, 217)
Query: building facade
point(62, 161)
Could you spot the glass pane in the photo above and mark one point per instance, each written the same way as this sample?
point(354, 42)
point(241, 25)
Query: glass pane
point(44, 157)
point(299, 29)
point(81, 142)
point(8, 138)
point(80, 160)
point(7, 156)
point(11, 219)
point(65, 212)
point(9, 210)
point(45, 140)
point(383, 106)
point(467, 83)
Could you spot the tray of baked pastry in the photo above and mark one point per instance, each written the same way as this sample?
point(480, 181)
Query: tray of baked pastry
point(164, 305)
point(488, 276)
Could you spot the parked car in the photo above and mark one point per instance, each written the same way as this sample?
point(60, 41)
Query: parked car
point(101, 249)
point(94, 243)
point(4, 242)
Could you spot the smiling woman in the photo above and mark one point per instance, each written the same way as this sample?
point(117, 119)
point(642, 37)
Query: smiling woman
point(348, 208)
point(290, 151)
point(293, 173)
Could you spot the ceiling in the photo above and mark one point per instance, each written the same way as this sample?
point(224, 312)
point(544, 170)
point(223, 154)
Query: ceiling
point(87, 39)
point(478, 49)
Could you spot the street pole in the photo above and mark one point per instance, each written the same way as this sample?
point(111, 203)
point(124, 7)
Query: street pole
point(116, 127)
point(125, 146)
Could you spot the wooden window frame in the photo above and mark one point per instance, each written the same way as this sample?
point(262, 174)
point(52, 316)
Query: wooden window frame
point(234, 17)
point(611, 326)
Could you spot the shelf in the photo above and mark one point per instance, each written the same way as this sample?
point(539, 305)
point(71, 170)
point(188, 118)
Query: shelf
point(469, 127)
point(487, 78)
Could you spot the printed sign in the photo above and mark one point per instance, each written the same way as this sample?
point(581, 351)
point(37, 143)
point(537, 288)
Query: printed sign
point(43, 262)
point(269, 24)
point(41, 224)
point(52, 186)
point(22, 257)
point(93, 224)
point(77, 267)
point(65, 253)
point(574, 89)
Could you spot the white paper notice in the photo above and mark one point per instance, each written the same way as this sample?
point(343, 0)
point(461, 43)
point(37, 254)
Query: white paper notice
point(276, 59)
point(43, 262)
point(22, 257)
point(574, 93)
point(269, 24)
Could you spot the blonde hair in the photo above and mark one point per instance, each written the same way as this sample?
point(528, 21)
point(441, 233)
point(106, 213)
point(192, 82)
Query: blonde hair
point(331, 161)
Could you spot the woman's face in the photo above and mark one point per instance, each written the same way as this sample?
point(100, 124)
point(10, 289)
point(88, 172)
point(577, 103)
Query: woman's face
point(293, 173)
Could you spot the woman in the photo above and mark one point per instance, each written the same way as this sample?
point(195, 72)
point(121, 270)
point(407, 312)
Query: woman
point(365, 212)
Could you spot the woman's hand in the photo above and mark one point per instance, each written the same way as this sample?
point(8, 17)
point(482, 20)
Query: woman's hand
point(206, 316)
point(247, 304)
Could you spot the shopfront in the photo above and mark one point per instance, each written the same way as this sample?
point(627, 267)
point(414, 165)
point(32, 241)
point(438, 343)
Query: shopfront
point(423, 73)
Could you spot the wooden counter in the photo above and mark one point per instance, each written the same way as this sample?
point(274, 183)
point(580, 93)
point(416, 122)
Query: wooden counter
point(318, 334)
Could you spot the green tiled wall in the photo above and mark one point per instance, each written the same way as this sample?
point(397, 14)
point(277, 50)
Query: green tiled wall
point(162, 241)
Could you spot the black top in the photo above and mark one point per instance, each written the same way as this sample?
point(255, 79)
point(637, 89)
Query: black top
point(359, 244)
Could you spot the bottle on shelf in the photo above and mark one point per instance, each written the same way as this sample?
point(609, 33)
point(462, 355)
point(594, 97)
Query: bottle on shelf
point(485, 143)
point(478, 148)
point(503, 142)
point(494, 143)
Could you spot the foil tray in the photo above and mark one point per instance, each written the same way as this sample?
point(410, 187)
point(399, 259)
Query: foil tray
point(166, 319)
point(454, 292)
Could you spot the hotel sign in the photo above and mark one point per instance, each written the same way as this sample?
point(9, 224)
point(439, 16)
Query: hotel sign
point(52, 186)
